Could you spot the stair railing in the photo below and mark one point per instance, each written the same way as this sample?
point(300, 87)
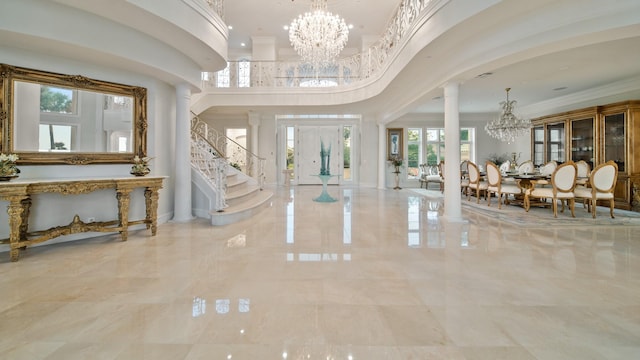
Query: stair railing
point(206, 160)
point(239, 157)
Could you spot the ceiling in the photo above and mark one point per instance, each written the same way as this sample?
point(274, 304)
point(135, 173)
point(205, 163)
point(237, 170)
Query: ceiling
point(567, 74)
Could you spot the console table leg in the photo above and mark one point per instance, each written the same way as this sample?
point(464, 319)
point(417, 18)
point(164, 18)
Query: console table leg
point(151, 200)
point(123, 196)
point(15, 210)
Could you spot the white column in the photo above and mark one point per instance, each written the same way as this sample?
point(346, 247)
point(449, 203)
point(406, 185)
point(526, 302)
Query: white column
point(382, 155)
point(254, 122)
point(182, 200)
point(452, 195)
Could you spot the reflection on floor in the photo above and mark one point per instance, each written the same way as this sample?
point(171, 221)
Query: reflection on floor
point(376, 275)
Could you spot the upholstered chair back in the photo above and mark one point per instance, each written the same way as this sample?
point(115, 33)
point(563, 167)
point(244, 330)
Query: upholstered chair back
point(564, 177)
point(474, 173)
point(583, 169)
point(493, 174)
point(604, 176)
point(526, 167)
point(464, 166)
point(548, 168)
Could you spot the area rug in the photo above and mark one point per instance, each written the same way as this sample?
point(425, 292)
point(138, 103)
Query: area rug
point(540, 216)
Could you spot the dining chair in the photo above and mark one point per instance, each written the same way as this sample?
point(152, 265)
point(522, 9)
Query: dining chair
point(433, 175)
point(602, 183)
point(496, 186)
point(423, 175)
point(475, 182)
point(505, 167)
point(464, 176)
point(583, 172)
point(563, 183)
point(546, 170)
point(526, 167)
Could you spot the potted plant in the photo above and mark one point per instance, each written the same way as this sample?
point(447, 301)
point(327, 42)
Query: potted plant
point(8, 168)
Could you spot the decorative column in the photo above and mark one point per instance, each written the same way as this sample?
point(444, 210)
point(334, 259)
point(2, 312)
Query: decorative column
point(254, 122)
point(452, 194)
point(182, 190)
point(382, 160)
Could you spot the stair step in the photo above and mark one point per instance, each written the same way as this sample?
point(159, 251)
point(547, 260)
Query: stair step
point(242, 208)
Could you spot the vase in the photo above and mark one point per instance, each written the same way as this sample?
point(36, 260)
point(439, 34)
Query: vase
point(140, 173)
point(7, 177)
point(397, 172)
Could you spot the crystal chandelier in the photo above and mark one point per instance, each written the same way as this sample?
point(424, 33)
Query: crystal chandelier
point(507, 127)
point(318, 36)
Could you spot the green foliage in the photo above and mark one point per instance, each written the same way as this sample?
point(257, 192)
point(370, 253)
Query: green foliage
point(347, 157)
point(498, 159)
point(51, 101)
point(432, 159)
point(290, 158)
point(413, 156)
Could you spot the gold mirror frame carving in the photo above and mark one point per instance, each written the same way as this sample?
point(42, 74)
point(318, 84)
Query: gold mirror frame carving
point(9, 73)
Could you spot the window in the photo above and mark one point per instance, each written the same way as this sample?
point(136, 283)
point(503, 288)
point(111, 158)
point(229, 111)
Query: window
point(346, 165)
point(291, 146)
point(58, 100)
point(222, 78)
point(435, 145)
point(56, 137)
point(414, 152)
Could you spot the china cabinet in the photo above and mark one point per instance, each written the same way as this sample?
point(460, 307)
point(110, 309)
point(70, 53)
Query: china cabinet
point(595, 134)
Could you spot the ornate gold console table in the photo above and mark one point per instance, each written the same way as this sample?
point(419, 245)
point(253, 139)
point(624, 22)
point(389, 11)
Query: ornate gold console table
point(18, 194)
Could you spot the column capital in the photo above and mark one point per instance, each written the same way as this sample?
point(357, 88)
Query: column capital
point(254, 118)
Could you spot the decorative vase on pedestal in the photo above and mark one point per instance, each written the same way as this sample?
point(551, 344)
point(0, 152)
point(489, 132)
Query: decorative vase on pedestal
point(397, 172)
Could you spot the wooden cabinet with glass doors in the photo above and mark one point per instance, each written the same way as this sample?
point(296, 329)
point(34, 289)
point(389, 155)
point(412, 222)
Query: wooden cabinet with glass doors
point(595, 135)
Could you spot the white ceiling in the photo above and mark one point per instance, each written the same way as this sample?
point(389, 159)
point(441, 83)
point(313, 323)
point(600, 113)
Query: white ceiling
point(541, 80)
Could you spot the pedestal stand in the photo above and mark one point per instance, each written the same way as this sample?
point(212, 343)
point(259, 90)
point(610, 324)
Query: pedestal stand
point(324, 196)
point(397, 172)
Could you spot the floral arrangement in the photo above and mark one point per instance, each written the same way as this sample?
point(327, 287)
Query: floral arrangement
point(140, 165)
point(8, 165)
point(395, 161)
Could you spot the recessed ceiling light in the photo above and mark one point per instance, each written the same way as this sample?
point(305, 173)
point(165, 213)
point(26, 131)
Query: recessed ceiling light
point(230, 27)
point(286, 27)
point(350, 26)
point(437, 98)
point(560, 88)
point(243, 44)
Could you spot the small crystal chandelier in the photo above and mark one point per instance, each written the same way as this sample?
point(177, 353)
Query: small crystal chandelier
point(318, 36)
point(507, 127)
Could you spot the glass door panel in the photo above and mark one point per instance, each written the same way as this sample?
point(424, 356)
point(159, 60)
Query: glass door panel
point(538, 145)
point(555, 142)
point(614, 136)
point(582, 141)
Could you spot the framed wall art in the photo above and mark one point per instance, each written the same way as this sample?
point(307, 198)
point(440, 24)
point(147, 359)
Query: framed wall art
point(394, 143)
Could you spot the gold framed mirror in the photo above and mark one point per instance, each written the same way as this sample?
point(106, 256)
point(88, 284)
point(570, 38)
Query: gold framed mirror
point(50, 118)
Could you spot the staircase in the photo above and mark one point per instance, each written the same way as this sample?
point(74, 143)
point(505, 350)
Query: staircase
point(233, 194)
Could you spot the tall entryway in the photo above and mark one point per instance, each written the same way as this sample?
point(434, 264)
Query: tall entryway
point(319, 147)
point(306, 147)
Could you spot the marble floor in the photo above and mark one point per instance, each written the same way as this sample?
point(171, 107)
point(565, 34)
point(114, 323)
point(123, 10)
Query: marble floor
point(379, 274)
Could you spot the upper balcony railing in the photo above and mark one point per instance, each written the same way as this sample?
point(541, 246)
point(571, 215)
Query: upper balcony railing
point(344, 72)
point(217, 6)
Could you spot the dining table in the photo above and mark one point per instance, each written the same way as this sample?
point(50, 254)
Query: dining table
point(525, 182)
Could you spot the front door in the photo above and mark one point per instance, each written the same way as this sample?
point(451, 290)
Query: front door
point(311, 140)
